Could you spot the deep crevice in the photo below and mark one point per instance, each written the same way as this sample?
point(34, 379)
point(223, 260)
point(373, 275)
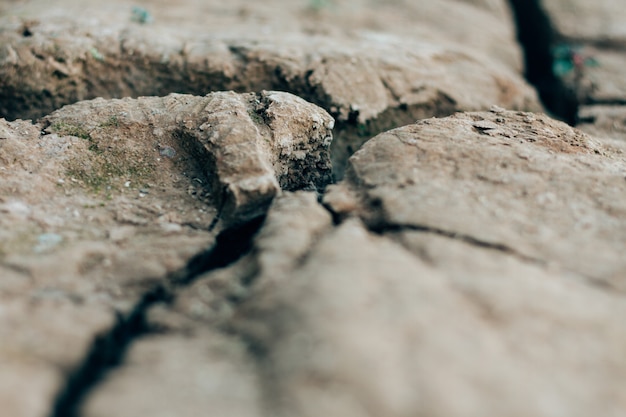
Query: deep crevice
point(108, 350)
point(606, 102)
point(537, 37)
point(231, 245)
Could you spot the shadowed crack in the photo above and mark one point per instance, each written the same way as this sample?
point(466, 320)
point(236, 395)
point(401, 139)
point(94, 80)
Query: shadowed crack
point(106, 353)
point(109, 349)
point(231, 244)
point(500, 247)
point(537, 37)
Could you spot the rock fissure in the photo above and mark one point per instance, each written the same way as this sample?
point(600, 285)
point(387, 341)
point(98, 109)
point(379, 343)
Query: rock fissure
point(152, 173)
point(500, 247)
point(537, 37)
point(176, 255)
point(106, 353)
point(606, 102)
point(108, 349)
point(231, 244)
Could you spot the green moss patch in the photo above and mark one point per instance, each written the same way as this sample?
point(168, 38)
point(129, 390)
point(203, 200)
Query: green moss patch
point(65, 129)
point(107, 171)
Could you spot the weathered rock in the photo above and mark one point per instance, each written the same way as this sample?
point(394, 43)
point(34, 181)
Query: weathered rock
point(181, 374)
point(477, 280)
point(247, 146)
point(44, 334)
point(361, 326)
point(494, 278)
point(516, 182)
point(195, 368)
point(394, 64)
point(103, 202)
point(465, 266)
point(87, 62)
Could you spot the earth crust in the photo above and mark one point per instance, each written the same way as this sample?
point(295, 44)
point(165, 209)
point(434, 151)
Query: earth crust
point(341, 208)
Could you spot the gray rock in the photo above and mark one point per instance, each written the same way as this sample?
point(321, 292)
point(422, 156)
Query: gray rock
point(372, 67)
point(106, 201)
point(196, 362)
point(247, 147)
point(465, 266)
point(364, 326)
point(517, 182)
point(487, 269)
point(181, 374)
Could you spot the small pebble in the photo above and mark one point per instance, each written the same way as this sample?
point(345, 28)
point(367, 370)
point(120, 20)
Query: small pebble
point(167, 151)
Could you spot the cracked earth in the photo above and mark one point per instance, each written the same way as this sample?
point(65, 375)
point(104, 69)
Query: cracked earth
point(312, 208)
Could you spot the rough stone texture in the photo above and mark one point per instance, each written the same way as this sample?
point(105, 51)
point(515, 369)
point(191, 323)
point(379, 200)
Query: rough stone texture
point(180, 255)
point(363, 327)
point(76, 59)
point(188, 369)
point(248, 146)
point(485, 279)
point(517, 182)
point(394, 63)
point(190, 373)
point(73, 257)
point(44, 333)
point(105, 200)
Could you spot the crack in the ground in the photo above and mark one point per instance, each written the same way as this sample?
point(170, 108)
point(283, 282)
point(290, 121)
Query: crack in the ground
point(471, 240)
point(606, 102)
point(231, 245)
point(108, 350)
point(590, 280)
point(537, 37)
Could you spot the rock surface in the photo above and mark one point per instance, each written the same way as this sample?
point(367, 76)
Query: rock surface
point(516, 182)
point(104, 201)
point(392, 65)
point(187, 253)
point(392, 332)
point(469, 272)
point(181, 374)
point(248, 146)
point(514, 308)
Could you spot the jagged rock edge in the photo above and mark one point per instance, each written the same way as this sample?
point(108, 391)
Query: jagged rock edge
point(397, 114)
